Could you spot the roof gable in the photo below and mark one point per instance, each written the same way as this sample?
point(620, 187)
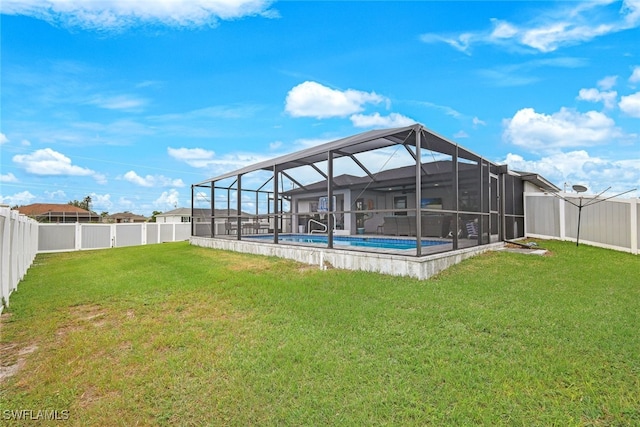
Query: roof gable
point(43, 208)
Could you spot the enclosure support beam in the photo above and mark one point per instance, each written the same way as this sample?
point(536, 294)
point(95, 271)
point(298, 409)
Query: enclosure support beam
point(213, 211)
point(418, 196)
point(330, 219)
point(193, 233)
point(276, 196)
point(317, 169)
point(416, 156)
point(502, 235)
point(239, 208)
point(359, 163)
point(456, 198)
point(294, 181)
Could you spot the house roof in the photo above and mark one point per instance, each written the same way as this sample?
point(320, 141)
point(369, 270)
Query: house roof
point(45, 208)
point(127, 215)
point(538, 181)
point(389, 178)
point(178, 212)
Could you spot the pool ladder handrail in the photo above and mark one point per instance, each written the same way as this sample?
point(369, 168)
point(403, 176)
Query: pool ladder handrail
point(326, 227)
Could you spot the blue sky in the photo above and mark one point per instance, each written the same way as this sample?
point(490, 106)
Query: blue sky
point(132, 102)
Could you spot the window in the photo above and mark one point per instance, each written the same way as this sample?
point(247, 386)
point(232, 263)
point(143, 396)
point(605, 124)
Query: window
point(185, 219)
point(400, 202)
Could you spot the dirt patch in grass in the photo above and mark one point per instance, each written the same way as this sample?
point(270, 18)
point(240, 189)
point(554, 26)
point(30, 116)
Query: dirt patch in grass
point(12, 356)
point(524, 248)
point(92, 396)
point(257, 264)
point(82, 316)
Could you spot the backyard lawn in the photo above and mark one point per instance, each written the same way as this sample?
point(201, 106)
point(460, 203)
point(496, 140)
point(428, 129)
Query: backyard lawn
point(173, 334)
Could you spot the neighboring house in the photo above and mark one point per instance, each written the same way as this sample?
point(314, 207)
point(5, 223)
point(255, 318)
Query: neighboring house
point(125, 218)
point(58, 213)
point(184, 215)
point(225, 220)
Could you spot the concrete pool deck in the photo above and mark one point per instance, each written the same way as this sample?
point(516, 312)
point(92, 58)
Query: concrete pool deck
point(386, 263)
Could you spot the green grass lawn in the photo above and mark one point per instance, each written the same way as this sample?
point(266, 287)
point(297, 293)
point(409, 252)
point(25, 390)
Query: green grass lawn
point(172, 334)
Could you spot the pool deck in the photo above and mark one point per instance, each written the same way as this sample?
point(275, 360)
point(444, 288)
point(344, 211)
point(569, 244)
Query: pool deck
point(385, 261)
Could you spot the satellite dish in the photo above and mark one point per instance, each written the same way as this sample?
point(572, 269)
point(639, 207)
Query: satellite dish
point(579, 188)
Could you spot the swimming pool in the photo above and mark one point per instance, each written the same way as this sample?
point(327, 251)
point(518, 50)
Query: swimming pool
point(354, 241)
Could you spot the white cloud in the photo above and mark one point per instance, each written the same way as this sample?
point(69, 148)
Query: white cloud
point(630, 104)
point(194, 157)
point(579, 167)
point(558, 34)
point(566, 128)
point(49, 162)
point(125, 204)
point(635, 75)
point(22, 198)
point(118, 15)
point(376, 120)
point(476, 121)
point(3, 138)
point(168, 200)
point(311, 99)
point(134, 178)
point(503, 30)
point(594, 95)
point(201, 158)
point(275, 145)
point(119, 102)
point(461, 134)
point(9, 177)
point(444, 108)
point(101, 202)
point(552, 29)
point(58, 194)
point(152, 180)
point(607, 82)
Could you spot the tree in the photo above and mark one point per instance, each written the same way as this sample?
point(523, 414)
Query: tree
point(84, 204)
point(153, 216)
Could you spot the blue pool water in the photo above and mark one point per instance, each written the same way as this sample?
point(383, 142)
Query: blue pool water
point(367, 242)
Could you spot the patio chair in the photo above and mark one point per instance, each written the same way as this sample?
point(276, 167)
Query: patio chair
point(230, 227)
point(472, 229)
point(390, 226)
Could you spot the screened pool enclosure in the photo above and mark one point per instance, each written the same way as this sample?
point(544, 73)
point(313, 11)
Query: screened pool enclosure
point(404, 191)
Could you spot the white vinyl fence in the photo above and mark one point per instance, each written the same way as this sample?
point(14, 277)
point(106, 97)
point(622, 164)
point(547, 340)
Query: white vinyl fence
point(18, 248)
point(21, 238)
point(79, 236)
point(612, 224)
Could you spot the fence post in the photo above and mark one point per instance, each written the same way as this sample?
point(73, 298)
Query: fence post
point(5, 253)
point(78, 237)
point(562, 219)
point(13, 271)
point(112, 235)
point(633, 217)
point(143, 239)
